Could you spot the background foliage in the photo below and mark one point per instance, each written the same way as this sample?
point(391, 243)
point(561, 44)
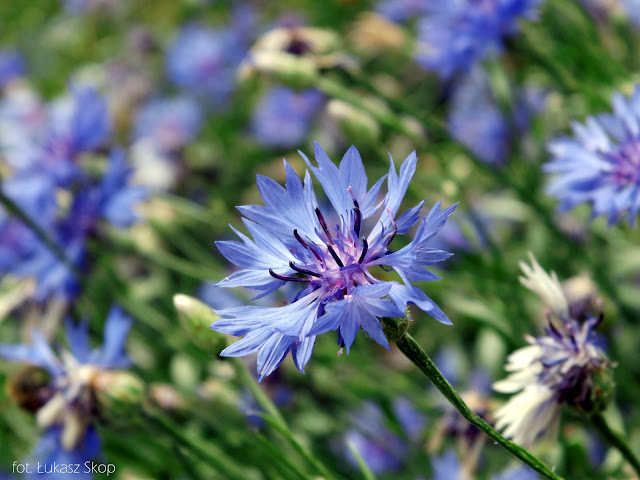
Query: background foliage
point(199, 417)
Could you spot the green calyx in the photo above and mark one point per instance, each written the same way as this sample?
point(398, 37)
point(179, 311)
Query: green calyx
point(395, 327)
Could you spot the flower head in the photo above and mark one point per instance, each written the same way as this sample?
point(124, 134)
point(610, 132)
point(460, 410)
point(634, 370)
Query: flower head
point(48, 140)
point(562, 367)
point(601, 164)
point(284, 116)
point(453, 35)
point(401, 10)
point(476, 120)
point(11, 66)
point(204, 60)
point(168, 123)
point(329, 253)
point(69, 400)
point(24, 254)
point(380, 448)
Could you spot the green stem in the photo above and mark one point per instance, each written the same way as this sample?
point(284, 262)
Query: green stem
point(211, 455)
point(258, 393)
point(44, 237)
point(273, 416)
point(615, 439)
point(396, 329)
point(388, 119)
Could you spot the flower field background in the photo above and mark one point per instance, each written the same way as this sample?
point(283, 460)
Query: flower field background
point(460, 189)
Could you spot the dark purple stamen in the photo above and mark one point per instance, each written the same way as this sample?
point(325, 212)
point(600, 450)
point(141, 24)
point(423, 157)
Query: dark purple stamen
point(393, 235)
point(304, 270)
point(287, 278)
point(323, 224)
point(316, 254)
point(299, 238)
point(598, 321)
point(553, 330)
point(357, 221)
point(365, 247)
point(335, 256)
point(572, 338)
point(297, 46)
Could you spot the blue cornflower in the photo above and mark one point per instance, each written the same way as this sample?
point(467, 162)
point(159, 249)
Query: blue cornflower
point(380, 448)
point(401, 10)
point(168, 123)
point(601, 164)
point(67, 412)
point(50, 146)
point(283, 117)
point(24, 255)
point(454, 35)
point(477, 121)
point(114, 196)
point(632, 9)
point(331, 257)
point(448, 466)
point(558, 368)
point(36, 197)
point(204, 60)
point(49, 453)
point(11, 66)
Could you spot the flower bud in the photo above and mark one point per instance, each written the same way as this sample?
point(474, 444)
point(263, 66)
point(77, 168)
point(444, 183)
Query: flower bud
point(118, 390)
point(291, 70)
point(293, 56)
point(196, 317)
point(355, 124)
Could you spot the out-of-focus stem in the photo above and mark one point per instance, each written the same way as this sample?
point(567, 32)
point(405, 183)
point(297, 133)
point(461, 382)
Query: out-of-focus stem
point(616, 440)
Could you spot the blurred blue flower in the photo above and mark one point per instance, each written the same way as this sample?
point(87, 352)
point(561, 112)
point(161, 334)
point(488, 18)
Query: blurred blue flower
point(410, 419)
point(380, 448)
point(283, 117)
point(49, 146)
point(447, 467)
point(49, 453)
point(520, 472)
point(331, 257)
point(203, 60)
point(454, 35)
point(632, 9)
point(450, 362)
point(116, 198)
point(53, 276)
point(23, 254)
point(402, 10)
point(11, 66)
point(477, 121)
point(36, 197)
point(600, 165)
point(169, 123)
point(556, 369)
point(66, 416)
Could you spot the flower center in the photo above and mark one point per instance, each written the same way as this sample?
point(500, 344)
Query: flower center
point(339, 263)
point(625, 163)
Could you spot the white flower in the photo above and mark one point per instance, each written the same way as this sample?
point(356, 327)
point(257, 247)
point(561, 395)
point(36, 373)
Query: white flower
point(547, 287)
point(555, 369)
